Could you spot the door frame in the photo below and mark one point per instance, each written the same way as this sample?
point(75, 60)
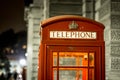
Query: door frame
point(73, 48)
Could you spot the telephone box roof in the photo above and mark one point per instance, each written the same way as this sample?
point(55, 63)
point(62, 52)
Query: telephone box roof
point(68, 18)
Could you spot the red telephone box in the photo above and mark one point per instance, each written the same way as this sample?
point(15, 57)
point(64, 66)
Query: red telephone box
point(72, 48)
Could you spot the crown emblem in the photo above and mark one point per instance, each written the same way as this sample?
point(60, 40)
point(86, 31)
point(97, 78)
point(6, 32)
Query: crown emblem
point(73, 25)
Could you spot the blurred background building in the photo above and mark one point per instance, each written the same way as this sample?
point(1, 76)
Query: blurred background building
point(104, 11)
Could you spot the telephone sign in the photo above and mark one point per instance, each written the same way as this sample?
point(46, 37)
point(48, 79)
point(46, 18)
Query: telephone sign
point(72, 35)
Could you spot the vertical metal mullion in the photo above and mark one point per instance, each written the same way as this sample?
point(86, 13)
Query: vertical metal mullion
point(94, 65)
point(88, 65)
point(57, 65)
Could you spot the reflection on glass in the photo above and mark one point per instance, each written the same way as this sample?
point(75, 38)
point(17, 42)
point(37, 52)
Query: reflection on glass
point(67, 74)
point(91, 74)
point(54, 74)
point(67, 61)
point(73, 74)
point(73, 59)
point(91, 59)
point(54, 58)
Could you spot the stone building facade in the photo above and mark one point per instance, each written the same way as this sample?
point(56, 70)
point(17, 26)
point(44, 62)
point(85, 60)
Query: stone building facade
point(104, 11)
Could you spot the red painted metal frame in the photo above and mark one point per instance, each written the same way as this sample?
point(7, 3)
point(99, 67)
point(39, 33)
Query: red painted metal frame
point(60, 23)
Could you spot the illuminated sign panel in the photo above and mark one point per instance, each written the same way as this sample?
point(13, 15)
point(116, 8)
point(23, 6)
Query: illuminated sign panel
point(73, 35)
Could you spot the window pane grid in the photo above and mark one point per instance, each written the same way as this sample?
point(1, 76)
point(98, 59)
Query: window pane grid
point(69, 63)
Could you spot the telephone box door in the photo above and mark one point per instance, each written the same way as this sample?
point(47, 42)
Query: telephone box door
point(73, 63)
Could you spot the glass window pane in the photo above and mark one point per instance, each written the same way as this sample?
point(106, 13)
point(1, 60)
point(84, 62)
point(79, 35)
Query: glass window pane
point(73, 59)
point(54, 74)
point(67, 74)
point(91, 59)
point(54, 58)
point(91, 74)
point(67, 61)
point(73, 74)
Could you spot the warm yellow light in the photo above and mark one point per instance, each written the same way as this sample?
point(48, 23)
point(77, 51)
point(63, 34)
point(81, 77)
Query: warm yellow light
point(24, 46)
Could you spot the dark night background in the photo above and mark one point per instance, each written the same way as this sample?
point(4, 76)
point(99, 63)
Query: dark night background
point(13, 30)
point(12, 14)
